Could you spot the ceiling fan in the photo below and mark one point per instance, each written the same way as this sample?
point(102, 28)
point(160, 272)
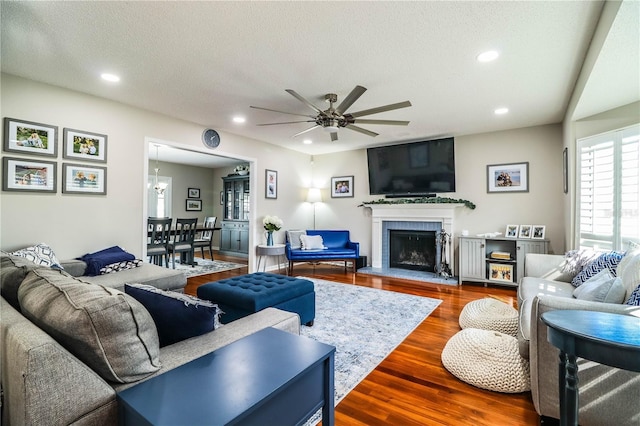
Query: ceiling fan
point(334, 118)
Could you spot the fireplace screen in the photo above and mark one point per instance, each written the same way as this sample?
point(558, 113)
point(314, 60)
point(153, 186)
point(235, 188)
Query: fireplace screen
point(415, 250)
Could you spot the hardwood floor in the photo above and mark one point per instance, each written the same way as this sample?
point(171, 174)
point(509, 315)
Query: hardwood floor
point(411, 387)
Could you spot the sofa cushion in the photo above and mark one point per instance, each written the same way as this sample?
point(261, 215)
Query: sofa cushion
point(98, 260)
point(293, 237)
point(576, 260)
point(634, 298)
point(607, 260)
point(629, 270)
point(40, 254)
point(13, 270)
point(531, 287)
point(108, 330)
point(602, 287)
point(311, 242)
point(177, 316)
point(121, 266)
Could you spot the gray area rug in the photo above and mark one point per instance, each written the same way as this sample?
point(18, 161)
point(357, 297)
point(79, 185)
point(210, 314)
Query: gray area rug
point(206, 266)
point(365, 325)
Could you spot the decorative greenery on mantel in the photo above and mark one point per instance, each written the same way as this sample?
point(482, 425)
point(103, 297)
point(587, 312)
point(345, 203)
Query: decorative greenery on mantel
point(423, 200)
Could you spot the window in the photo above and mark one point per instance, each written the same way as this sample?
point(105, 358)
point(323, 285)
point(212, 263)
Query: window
point(609, 189)
point(159, 204)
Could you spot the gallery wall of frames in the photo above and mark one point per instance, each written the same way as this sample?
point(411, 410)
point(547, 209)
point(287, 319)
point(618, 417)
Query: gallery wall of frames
point(30, 160)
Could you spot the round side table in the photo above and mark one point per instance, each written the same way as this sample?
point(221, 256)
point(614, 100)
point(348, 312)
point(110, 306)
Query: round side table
point(265, 250)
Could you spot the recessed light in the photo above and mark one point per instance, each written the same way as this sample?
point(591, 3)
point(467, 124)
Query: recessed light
point(488, 56)
point(110, 77)
point(307, 141)
point(501, 111)
point(239, 119)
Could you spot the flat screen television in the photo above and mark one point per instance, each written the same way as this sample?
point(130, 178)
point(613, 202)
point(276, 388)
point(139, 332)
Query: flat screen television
point(413, 169)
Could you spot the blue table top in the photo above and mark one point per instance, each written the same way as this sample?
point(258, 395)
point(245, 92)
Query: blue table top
point(222, 385)
point(602, 327)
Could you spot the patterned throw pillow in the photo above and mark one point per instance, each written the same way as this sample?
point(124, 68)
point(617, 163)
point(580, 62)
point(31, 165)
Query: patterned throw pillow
point(121, 266)
point(40, 254)
point(634, 299)
point(576, 260)
point(177, 316)
point(608, 260)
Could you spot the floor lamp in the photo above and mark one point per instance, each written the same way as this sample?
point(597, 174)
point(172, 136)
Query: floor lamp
point(314, 196)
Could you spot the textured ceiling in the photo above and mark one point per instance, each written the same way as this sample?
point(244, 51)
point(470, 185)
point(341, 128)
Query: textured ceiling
point(208, 61)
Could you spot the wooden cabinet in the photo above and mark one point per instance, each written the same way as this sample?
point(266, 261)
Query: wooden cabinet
point(495, 260)
point(234, 235)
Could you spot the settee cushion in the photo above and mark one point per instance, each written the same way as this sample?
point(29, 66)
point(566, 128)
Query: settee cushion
point(601, 288)
point(634, 298)
point(607, 260)
point(177, 316)
point(40, 254)
point(312, 242)
point(293, 237)
point(13, 270)
point(106, 329)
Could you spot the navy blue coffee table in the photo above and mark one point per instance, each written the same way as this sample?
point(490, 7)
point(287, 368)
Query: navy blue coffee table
point(268, 378)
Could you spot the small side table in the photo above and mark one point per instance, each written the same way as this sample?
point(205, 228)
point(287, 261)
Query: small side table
point(265, 250)
point(609, 339)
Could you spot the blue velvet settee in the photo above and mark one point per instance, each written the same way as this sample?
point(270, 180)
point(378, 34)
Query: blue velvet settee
point(334, 245)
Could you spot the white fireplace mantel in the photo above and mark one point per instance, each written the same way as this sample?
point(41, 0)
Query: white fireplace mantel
point(443, 213)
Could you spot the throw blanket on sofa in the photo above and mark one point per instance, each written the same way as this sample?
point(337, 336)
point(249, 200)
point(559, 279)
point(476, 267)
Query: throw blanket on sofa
point(98, 260)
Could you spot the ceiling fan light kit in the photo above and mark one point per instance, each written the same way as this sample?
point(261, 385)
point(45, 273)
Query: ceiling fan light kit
point(332, 119)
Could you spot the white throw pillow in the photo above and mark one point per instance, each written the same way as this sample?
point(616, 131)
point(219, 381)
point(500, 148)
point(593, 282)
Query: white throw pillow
point(293, 236)
point(312, 242)
point(602, 287)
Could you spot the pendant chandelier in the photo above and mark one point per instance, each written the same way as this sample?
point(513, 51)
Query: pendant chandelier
point(158, 187)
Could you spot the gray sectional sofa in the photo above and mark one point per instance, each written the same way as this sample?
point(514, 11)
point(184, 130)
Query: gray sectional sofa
point(47, 380)
point(608, 396)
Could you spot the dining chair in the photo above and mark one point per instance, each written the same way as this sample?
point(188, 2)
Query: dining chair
point(182, 241)
point(205, 239)
point(158, 235)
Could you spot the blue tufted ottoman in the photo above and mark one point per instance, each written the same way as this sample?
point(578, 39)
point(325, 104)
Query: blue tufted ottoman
point(245, 294)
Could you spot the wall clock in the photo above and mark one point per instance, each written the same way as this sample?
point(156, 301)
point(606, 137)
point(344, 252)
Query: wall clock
point(210, 138)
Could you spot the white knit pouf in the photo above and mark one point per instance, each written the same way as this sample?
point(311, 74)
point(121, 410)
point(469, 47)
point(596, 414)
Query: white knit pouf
point(487, 359)
point(490, 314)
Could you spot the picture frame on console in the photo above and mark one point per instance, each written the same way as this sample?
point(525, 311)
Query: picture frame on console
point(85, 146)
point(537, 232)
point(525, 231)
point(501, 272)
point(511, 231)
point(512, 177)
point(342, 187)
point(28, 175)
point(28, 137)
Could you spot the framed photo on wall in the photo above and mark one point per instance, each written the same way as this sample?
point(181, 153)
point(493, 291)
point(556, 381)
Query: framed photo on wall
point(85, 146)
point(508, 177)
point(194, 205)
point(270, 184)
point(193, 193)
point(27, 175)
point(342, 186)
point(81, 179)
point(27, 137)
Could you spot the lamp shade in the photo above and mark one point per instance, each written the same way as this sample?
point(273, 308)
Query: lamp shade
point(314, 195)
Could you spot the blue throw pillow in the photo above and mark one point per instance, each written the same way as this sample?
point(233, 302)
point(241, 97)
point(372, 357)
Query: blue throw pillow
point(634, 298)
point(177, 316)
point(608, 260)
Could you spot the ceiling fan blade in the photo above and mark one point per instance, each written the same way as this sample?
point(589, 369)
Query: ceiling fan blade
point(305, 131)
point(361, 130)
point(381, 109)
point(286, 122)
point(390, 122)
point(304, 101)
point(334, 136)
point(350, 99)
point(281, 112)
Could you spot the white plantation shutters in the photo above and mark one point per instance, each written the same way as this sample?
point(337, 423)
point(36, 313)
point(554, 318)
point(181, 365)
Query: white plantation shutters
point(608, 189)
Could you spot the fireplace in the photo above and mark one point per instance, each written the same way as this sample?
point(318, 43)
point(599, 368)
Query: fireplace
point(414, 250)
